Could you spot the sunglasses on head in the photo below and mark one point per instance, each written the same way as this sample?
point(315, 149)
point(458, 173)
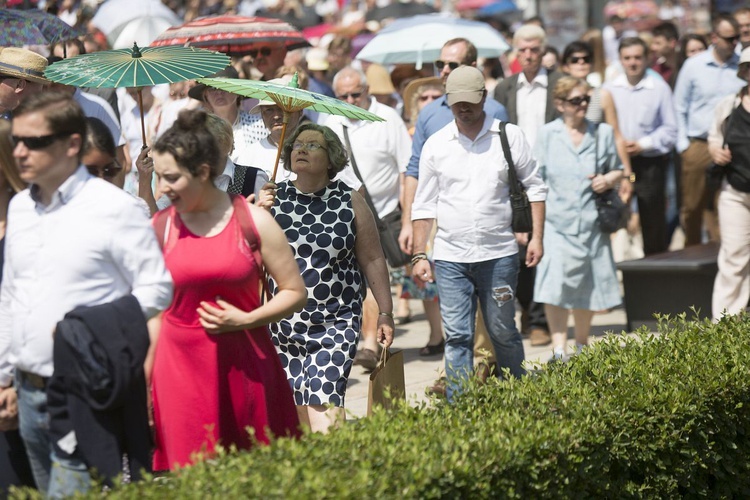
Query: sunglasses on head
point(353, 95)
point(107, 171)
point(442, 64)
point(264, 51)
point(577, 101)
point(581, 59)
point(38, 142)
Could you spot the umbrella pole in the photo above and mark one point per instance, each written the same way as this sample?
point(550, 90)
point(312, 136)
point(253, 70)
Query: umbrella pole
point(281, 145)
point(140, 106)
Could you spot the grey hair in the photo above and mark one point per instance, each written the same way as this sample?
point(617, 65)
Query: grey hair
point(349, 71)
point(529, 32)
point(338, 158)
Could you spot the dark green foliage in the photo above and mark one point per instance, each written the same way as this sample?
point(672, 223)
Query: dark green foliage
point(640, 416)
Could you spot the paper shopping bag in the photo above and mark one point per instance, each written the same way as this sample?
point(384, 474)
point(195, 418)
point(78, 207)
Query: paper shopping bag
point(387, 385)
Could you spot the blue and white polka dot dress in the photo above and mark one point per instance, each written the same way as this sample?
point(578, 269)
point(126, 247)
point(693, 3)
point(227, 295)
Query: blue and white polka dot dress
point(317, 345)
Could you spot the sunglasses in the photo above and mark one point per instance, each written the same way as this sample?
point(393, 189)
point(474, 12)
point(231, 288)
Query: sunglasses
point(576, 60)
point(353, 95)
point(730, 39)
point(107, 171)
point(442, 64)
point(38, 142)
point(264, 51)
point(309, 146)
point(429, 97)
point(577, 101)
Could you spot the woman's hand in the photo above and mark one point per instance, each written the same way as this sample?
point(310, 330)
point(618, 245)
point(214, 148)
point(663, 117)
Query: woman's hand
point(224, 318)
point(720, 156)
point(385, 330)
point(422, 271)
point(599, 183)
point(266, 196)
point(9, 408)
point(145, 164)
point(626, 190)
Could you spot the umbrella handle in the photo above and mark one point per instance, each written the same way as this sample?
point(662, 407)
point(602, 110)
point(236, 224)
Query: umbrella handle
point(281, 145)
point(140, 106)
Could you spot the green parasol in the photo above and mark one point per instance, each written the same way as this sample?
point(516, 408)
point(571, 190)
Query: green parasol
point(289, 98)
point(136, 67)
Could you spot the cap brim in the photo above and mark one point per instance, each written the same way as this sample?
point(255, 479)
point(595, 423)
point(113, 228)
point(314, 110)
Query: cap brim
point(256, 109)
point(196, 91)
point(473, 97)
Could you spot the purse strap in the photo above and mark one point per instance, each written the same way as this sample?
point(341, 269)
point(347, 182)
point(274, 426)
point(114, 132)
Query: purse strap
point(597, 170)
point(515, 185)
point(368, 199)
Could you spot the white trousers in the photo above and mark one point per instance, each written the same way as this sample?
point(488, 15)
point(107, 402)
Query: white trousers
point(732, 285)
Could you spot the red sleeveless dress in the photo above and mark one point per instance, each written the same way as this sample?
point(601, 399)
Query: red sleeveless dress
point(209, 388)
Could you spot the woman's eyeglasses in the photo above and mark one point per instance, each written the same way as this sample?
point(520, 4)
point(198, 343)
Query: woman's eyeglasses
point(582, 59)
point(577, 101)
point(429, 97)
point(309, 146)
point(38, 142)
point(107, 171)
point(264, 51)
point(441, 64)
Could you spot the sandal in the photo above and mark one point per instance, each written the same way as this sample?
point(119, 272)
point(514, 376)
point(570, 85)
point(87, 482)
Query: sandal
point(432, 350)
point(402, 320)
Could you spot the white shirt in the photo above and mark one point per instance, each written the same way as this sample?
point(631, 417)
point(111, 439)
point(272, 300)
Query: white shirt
point(223, 180)
point(90, 246)
point(248, 129)
point(94, 106)
point(382, 151)
point(531, 104)
point(464, 185)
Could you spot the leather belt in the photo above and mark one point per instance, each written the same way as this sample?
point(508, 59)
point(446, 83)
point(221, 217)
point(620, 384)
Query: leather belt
point(37, 381)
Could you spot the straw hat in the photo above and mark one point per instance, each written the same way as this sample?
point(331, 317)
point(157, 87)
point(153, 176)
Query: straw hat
point(317, 59)
point(413, 86)
point(23, 64)
point(379, 80)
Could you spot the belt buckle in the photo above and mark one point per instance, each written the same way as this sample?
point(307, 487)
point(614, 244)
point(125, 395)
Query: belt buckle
point(35, 380)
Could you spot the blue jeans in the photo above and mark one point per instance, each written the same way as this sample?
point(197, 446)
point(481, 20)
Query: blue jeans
point(459, 286)
point(57, 476)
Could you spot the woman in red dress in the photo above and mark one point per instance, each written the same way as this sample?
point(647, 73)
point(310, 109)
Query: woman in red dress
point(216, 375)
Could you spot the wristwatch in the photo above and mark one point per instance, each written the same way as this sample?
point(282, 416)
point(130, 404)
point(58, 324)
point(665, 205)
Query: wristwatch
point(631, 178)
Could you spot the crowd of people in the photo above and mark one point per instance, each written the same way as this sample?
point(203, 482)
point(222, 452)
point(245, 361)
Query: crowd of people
point(184, 288)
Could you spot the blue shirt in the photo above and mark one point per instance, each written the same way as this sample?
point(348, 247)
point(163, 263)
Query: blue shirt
point(701, 84)
point(645, 113)
point(437, 115)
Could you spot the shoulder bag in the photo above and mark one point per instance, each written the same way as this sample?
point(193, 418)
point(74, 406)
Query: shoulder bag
point(519, 201)
point(612, 211)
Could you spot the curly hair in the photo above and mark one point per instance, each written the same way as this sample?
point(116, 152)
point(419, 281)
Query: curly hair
point(337, 155)
point(566, 84)
point(191, 143)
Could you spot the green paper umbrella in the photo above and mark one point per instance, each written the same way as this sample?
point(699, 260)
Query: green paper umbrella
point(290, 99)
point(136, 67)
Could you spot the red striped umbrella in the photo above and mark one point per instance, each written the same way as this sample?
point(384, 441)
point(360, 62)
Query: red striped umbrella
point(232, 35)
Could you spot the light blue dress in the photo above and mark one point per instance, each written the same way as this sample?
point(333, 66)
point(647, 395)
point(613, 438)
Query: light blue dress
point(577, 270)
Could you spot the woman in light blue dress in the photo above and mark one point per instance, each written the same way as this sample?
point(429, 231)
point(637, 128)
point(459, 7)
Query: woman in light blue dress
point(577, 273)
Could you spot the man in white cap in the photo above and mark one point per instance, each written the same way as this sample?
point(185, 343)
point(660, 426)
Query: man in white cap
point(463, 185)
point(21, 75)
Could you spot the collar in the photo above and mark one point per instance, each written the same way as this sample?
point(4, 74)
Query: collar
point(711, 59)
point(647, 82)
point(228, 169)
point(540, 80)
point(489, 123)
point(67, 189)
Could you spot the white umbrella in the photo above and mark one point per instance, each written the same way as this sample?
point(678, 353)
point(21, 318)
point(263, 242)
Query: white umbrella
point(114, 13)
point(418, 39)
point(142, 31)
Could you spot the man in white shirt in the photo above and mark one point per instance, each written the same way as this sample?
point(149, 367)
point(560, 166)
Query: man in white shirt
point(72, 240)
point(380, 152)
point(463, 184)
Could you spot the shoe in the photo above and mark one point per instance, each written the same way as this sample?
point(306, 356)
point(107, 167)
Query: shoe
point(402, 320)
point(539, 337)
point(432, 350)
point(366, 358)
point(558, 357)
point(438, 388)
point(483, 371)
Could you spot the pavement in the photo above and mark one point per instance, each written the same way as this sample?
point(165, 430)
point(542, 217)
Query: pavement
point(421, 372)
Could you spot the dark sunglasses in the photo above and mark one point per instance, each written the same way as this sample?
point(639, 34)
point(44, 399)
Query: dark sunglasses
point(108, 171)
point(584, 59)
point(730, 39)
point(38, 142)
point(353, 95)
point(429, 97)
point(264, 51)
point(441, 64)
point(577, 101)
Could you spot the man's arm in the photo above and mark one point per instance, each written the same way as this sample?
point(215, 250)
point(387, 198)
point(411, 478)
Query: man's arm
point(662, 139)
point(535, 247)
point(681, 103)
point(405, 238)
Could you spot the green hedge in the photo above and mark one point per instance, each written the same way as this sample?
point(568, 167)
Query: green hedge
point(633, 416)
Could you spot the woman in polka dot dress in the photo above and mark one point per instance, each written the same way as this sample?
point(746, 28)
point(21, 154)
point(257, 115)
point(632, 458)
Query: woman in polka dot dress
point(333, 235)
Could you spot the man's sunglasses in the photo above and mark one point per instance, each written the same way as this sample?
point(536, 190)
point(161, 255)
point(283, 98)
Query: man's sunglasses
point(730, 39)
point(577, 101)
point(576, 60)
point(108, 171)
point(353, 95)
point(264, 51)
point(38, 142)
point(441, 64)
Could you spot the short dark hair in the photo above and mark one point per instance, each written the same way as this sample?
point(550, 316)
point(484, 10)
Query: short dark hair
point(471, 49)
point(576, 47)
point(337, 155)
point(724, 18)
point(633, 41)
point(668, 30)
point(191, 144)
point(60, 110)
point(99, 137)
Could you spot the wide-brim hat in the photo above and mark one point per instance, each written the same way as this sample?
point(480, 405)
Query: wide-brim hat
point(379, 80)
point(413, 86)
point(284, 80)
point(24, 64)
point(197, 91)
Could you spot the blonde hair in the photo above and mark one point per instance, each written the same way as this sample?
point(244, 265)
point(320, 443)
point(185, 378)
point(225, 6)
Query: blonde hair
point(565, 86)
point(414, 104)
point(221, 130)
point(530, 32)
point(8, 166)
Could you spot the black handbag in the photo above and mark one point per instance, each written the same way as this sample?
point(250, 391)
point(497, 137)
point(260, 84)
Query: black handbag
point(519, 201)
point(612, 212)
point(389, 227)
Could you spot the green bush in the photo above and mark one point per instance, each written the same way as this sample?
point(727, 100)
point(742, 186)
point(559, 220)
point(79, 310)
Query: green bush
point(636, 416)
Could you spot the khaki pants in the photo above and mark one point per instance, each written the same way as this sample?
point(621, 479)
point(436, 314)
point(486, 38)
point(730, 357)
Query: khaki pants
point(695, 161)
point(732, 284)
point(483, 350)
